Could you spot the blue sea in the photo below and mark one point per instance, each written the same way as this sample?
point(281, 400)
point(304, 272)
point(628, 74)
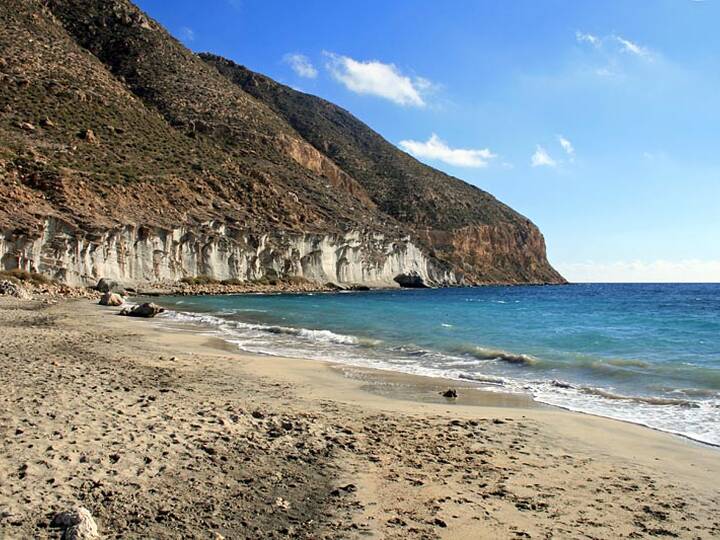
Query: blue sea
point(648, 354)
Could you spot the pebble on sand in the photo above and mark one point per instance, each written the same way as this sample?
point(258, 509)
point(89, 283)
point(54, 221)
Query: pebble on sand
point(78, 524)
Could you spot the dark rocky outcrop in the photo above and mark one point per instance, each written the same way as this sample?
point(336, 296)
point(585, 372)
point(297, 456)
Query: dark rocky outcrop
point(411, 280)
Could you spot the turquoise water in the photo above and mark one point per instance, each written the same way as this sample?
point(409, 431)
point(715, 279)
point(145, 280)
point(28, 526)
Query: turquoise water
point(643, 353)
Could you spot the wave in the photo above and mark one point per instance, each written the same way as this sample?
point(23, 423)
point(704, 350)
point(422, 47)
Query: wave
point(637, 399)
point(627, 362)
point(696, 392)
point(324, 336)
point(482, 353)
point(482, 379)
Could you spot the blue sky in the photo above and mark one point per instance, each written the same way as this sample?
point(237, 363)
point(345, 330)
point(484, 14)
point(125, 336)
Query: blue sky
point(600, 121)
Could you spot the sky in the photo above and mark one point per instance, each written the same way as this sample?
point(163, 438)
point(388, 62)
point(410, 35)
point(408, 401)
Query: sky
point(599, 121)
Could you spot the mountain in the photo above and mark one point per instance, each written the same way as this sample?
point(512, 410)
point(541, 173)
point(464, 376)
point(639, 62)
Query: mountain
point(125, 155)
point(485, 238)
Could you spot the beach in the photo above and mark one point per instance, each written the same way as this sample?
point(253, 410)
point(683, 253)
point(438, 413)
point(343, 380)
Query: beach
point(163, 432)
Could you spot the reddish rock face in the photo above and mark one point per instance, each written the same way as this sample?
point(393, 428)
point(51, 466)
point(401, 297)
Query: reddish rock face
point(504, 253)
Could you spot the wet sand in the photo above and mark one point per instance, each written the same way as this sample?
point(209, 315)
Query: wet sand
point(163, 433)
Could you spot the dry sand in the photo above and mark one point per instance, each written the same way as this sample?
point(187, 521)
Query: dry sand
point(169, 434)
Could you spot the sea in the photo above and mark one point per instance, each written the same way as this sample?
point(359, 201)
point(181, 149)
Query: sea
point(642, 353)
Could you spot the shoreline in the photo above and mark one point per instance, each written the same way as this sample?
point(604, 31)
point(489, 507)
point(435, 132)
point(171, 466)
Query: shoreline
point(167, 433)
point(418, 388)
point(500, 390)
point(480, 397)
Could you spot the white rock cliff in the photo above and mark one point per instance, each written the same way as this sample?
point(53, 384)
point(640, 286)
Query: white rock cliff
point(137, 255)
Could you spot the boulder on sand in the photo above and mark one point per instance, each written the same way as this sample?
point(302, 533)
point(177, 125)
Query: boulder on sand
point(143, 310)
point(78, 524)
point(108, 285)
point(111, 299)
point(8, 288)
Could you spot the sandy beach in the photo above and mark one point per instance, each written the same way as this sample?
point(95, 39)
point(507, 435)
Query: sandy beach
point(162, 432)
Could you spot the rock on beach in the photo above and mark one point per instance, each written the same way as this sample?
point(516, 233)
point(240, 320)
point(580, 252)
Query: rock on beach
point(78, 524)
point(111, 299)
point(146, 310)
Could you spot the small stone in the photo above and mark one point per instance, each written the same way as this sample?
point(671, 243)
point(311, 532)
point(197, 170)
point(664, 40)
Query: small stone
point(209, 450)
point(77, 523)
point(439, 523)
point(89, 136)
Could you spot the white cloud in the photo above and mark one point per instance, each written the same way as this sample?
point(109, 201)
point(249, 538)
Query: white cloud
point(659, 271)
point(630, 47)
point(378, 79)
point(187, 33)
point(435, 148)
point(541, 158)
point(614, 43)
point(588, 38)
point(301, 65)
point(566, 145)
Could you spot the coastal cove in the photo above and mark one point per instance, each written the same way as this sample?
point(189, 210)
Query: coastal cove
point(359, 270)
point(323, 450)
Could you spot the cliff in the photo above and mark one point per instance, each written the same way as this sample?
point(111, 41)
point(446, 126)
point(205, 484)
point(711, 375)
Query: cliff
point(125, 155)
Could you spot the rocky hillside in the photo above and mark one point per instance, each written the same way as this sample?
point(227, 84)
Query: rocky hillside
point(488, 240)
point(123, 154)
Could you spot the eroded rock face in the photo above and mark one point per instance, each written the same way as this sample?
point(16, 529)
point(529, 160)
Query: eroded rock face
point(311, 159)
point(503, 253)
point(136, 256)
